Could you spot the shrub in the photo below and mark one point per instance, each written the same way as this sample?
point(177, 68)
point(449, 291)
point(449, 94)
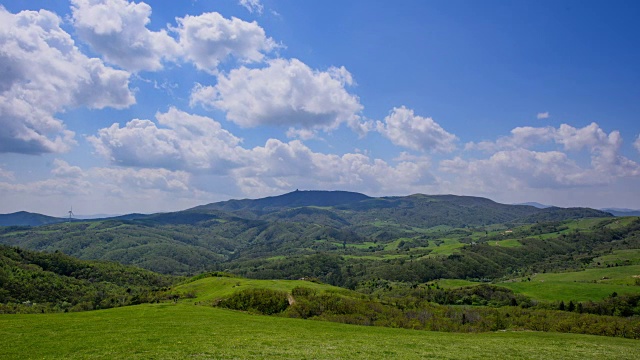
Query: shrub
point(263, 301)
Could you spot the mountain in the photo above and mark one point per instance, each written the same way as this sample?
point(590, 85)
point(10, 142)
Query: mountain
point(622, 212)
point(535, 204)
point(290, 200)
point(299, 223)
point(341, 208)
point(23, 218)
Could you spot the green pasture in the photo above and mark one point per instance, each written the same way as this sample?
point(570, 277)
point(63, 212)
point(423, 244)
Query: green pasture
point(180, 331)
point(211, 288)
point(505, 243)
point(453, 283)
point(448, 247)
point(620, 257)
point(590, 284)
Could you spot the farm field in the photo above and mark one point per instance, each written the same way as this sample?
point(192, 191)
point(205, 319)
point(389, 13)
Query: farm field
point(173, 331)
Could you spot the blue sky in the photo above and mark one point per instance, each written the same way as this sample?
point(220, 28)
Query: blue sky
point(118, 106)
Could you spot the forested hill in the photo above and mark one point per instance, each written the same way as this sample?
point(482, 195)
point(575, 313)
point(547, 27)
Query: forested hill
point(290, 200)
point(41, 282)
point(349, 208)
point(23, 218)
point(297, 223)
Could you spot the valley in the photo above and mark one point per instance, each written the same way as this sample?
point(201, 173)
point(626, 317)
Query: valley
point(325, 262)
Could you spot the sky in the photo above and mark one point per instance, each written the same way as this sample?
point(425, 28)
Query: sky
point(113, 107)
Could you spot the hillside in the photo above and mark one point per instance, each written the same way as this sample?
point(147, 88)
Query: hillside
point(168, 331)
point(226, 235)
point(41, 282)
point(289, 200)
point(23, 218)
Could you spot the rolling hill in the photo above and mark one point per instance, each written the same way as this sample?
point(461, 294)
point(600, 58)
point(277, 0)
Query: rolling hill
point(300, 223)
point(23, 218)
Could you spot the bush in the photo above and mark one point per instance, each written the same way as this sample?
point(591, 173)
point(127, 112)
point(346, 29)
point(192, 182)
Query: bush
point(263, 301)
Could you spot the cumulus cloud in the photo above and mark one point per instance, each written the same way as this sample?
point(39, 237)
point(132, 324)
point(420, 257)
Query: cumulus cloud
point(208, 39)
point(62, 169)
point(198, 144)
point(302, 134)
point(185, 141)
point(517, 169)
point(285, 93)
point(543, 115)
point(408, 130)
point(42, 73)
point(252, 6)
point(128, 179)
point(6, 174)
point(636, 144)
point(93, 190)
point(280, 166)
point(65, 180)
point(515, 164)
point(117, 30)
point(521, 137)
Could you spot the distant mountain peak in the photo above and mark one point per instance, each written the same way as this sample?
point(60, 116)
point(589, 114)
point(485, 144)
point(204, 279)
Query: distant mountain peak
point(292, 199)
point(536, 204)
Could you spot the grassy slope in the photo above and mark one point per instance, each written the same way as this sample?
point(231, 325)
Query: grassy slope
point(185, 331)
point(212, 288)
point(579, 285)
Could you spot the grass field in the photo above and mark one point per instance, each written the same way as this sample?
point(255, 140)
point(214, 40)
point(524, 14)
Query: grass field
point(212, 288)
point(505, 243)
point(453, 283)
point(590, 284)
point(620, 257)
point(180, 331)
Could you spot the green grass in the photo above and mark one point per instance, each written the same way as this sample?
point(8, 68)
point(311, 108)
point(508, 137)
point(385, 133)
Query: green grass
point(621, 257)
point(449, 247)
point(376, 257)
point(590, 284)
point(453, 283)
point(212, 288)
point(168, 331)
point(622, 222)
point(505, 243)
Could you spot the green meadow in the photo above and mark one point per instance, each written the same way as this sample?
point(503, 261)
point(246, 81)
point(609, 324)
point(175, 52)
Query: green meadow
point(212, 288)
point(181, 331)
point(590, 284)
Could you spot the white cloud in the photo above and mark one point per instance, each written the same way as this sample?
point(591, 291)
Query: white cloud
point(66, 180)
point(117, 30)
point(62, 169)
point(590, 137)
point(123, 180)
point(279, 167)
point(515, 170)
point(93, 190)
point(286, 93)
point(521, 137)
point(186, 141)
point(199, 145)
point(302, 134)
point(208, 39)
point(636, 144)
point(543, 115)
point(514, 164)
point(6, 174)
point(408, 130)
point(42, 73)
point(252, 6)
